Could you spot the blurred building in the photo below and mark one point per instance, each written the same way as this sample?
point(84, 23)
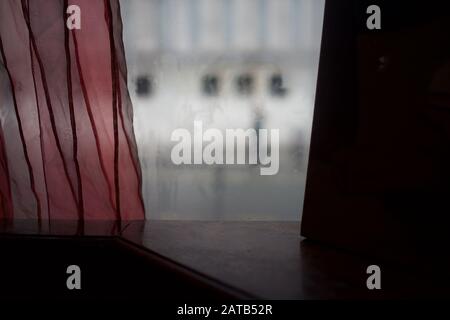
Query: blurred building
point(231, 64)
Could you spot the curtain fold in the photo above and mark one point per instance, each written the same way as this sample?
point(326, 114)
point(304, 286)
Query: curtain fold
point(67, 147)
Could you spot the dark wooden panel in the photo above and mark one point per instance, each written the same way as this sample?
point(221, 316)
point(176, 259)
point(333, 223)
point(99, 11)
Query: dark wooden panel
point(379, 177)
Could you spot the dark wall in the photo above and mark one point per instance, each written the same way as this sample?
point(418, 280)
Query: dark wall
point(379, 177)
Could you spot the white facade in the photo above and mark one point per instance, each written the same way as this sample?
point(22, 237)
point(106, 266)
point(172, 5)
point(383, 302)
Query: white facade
point(187, 26)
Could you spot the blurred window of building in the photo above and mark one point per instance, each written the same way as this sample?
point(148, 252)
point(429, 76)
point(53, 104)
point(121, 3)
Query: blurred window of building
point(276, 86)
point(143, 86)
point(210, 85)
point(245, 84)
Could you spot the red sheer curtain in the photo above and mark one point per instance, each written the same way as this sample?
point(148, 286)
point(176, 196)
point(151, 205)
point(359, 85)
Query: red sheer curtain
point(67, 147)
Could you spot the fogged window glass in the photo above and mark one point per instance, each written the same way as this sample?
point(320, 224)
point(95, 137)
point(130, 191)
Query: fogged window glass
point(213, 67)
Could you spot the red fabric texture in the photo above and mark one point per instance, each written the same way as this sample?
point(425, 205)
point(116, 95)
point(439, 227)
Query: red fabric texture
point(67, 147)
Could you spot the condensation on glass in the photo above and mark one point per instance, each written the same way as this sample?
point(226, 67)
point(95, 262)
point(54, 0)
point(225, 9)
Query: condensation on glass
point(230, 64)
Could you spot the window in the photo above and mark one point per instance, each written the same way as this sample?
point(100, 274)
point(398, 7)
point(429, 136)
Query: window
point(276, 86)
point(217, 67)
point(143, 86)
point(245, 84)
point(210, 85)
